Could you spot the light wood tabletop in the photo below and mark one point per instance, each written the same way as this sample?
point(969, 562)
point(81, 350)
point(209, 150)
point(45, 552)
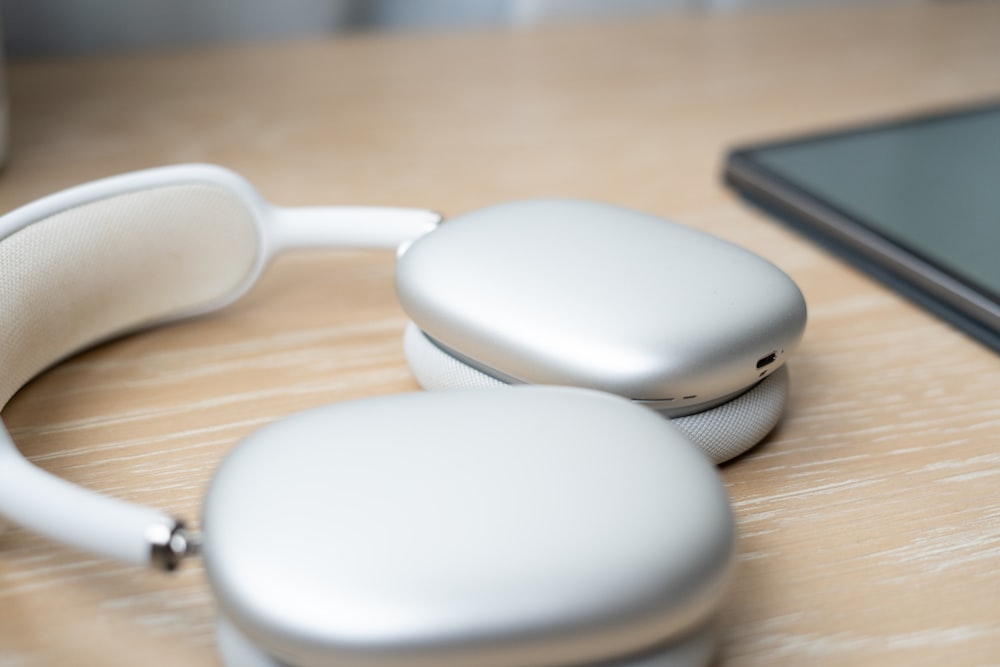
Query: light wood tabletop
point(869, 520)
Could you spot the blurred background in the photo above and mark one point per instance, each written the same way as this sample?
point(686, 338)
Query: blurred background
point(63, 27)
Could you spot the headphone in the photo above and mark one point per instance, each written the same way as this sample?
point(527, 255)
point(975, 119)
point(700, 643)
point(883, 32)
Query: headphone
point(532, 511)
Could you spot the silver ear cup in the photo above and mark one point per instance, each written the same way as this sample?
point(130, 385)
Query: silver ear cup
point(694, 650)
point(238, 651)
point(722, 432)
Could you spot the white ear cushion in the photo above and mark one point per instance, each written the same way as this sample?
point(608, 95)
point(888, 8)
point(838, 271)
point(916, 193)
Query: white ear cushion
point(99, 269)
point(721, 432)
point(436, 369)
point(732, 428)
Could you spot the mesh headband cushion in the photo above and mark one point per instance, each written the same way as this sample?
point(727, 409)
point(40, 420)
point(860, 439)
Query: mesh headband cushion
point(97, 270)
point(721, 432)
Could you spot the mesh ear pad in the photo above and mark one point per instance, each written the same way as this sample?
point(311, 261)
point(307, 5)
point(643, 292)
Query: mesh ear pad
point(721, 432)
point(97, 270)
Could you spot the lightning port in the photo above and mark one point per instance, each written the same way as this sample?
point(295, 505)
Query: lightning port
point(767, 360)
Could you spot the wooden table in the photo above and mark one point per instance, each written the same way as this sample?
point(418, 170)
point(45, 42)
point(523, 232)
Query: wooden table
point(869, 520)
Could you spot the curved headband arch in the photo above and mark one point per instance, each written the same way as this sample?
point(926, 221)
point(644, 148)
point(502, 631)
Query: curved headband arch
point(125, 253)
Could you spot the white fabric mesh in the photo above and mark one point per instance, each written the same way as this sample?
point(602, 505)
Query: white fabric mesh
point(722, 432)
point(436, 369)
point(734, 427)
point(103, 268)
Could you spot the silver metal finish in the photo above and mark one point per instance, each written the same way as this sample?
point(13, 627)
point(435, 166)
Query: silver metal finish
point(512, 527)
point(721, 432)
point(170, 543)
point(693, 650)
point(586, 294)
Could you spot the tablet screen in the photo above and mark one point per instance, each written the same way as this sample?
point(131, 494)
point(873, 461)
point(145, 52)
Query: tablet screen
point(930, 185)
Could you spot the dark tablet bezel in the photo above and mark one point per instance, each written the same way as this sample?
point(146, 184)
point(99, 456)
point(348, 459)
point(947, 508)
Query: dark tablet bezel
point(960, 301)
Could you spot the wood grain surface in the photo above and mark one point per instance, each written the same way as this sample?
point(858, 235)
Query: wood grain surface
point(869, 520)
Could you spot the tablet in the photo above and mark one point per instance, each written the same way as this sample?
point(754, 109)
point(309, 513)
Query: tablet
point(914, 202)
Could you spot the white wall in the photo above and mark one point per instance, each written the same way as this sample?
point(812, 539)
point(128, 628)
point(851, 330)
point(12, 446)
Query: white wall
point(43, 27)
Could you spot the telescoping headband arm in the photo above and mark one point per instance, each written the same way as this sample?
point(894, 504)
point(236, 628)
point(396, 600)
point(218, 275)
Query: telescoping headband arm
point(122, 254)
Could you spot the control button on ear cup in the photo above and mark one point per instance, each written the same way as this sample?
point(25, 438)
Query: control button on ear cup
point(513, 527)
point(721, 432)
